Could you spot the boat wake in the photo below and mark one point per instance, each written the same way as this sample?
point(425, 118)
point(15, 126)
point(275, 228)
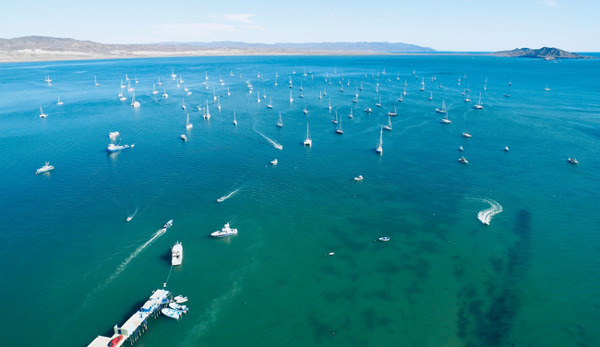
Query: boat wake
point(225, 197)
point(486, 215)
point(273, 143)
point(135, 253)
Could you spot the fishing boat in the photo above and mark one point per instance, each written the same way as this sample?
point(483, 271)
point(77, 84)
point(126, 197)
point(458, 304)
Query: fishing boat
point(379, 148)
point(47, 167)
point(168, 224)
point(358, 178)
point(443, 109)
point(224, 232)
point(463, 160)
point(177, 254)
point(42, 114)
point(384, 239)
point(308, 141)
point(171, 313)
point(571, 160)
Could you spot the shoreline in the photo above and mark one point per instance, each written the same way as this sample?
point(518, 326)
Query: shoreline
point(39, 55)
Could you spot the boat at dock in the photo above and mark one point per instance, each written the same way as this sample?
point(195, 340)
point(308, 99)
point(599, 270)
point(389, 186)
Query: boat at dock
point(171, 313)
point(180, 299)
point(176, 306)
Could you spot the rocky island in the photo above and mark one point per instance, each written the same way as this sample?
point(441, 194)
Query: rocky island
point(546, 53)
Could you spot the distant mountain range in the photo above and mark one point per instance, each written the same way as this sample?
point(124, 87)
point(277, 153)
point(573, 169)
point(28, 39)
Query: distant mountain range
point(546, 53)
point(50, 48)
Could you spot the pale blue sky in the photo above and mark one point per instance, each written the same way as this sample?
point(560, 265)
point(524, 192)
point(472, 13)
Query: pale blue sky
point(459, 25)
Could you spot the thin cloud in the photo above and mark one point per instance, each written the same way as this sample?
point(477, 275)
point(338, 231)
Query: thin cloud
point(550, 3)
point(239, 17)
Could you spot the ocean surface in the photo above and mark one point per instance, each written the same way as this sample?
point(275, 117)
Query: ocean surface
point(73, 267)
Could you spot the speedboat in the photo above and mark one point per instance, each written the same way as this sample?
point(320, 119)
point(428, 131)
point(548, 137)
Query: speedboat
point(180, 299)
point(274, 162)
point(176, 306)
point(463, 160)
point(168, 224)
point(47, 167)
point(572, 160)
point(466, 134)
point(116, 148)
point(384, 239)
point(177, 254)
point(225, 231)
point(358, 178)
point(171, 313)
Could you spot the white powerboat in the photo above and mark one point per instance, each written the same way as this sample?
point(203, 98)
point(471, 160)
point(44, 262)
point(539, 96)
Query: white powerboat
point(183, 137)
point(177, 254)
point(168, 224)
point(274, 162)
point(384, 239)
point(47, 167)
point(176, 306)
point(171, 313)
point(463, 160)
point(571, 160)
point(224, 232)
point(180, 299)
point(358, 178)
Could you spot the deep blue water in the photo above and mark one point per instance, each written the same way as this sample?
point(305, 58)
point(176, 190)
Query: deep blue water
point(73, 267)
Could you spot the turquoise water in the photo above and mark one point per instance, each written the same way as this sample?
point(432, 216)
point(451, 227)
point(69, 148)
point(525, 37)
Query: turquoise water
point(72, 267)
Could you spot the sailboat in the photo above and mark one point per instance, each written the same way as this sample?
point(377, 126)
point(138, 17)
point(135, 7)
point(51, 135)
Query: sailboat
point(188, 125)
point(308, 141)
point(431, 96)
point(351, 115)
point(165, 95)
point(339, 128)
point(305, 110)
point(234, 119)
point(159, 82)
point(378, 104)
point(394, 113)
point(42, 114)
point(423, 84)
point(96, 82)
point(379, 148)
point(59, 102)
point(280, 121)
point(291, 98)
point(154, 91)
point(329, 107)
point(335, 120)
point(207, 113)
point(467, 98)
point(121, 96)
point(134, 103)
point(445, 120)
point(443, 109)
point(388, 126)
point(48, 80)
point(478, 105)
point(270, 104)
point(183, 104)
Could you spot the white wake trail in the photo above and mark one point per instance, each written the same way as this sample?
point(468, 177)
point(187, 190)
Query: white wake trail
point(486, 215)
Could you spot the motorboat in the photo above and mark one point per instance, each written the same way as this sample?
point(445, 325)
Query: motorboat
point(384, 239)
point(176, 306)
point(177, 254)
point(116, 148)
point(506, 149)
point(180, 299)
point(224, 232)
point(183, 137)
point(171, 313)
point(115, 341)
point(461, 148)
point(358, 178)
point(463, 160)
point(466, 134)
point(368, 110)
point(168, 224)
point(274, 162)
point(47, 167)
point(571, 160)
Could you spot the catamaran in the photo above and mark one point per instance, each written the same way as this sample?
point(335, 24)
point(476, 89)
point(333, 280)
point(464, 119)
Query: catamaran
point(308, 141)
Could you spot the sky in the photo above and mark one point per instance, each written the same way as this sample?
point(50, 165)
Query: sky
point(444, 25)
